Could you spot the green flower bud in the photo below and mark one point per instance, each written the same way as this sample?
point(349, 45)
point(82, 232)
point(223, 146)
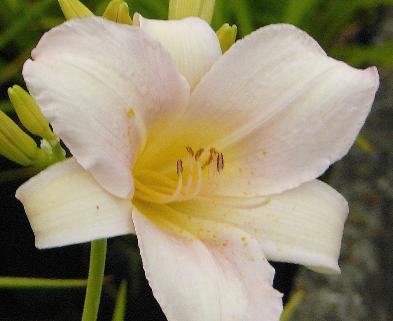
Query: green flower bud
point(15, 144)
point(198, 8)
point(117, 10)
point(29, 113)
point(74, 9)
point(227, 36)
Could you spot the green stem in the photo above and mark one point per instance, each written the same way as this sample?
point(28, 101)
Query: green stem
point(7, 282)
point(94, 282)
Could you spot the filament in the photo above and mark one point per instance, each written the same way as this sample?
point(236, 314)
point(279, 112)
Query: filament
point(156, 187)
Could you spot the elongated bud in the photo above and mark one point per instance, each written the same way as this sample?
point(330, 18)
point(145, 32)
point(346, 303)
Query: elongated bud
point(15, 144)
point(74, 9)
point(227, 36)
point(29, 113)
point(117, 10)
point(185, 8)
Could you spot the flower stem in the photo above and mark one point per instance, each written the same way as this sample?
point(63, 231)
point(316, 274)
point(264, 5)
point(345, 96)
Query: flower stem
point(94, 283)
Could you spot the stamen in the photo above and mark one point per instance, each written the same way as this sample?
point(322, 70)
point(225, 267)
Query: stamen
point(198, 186)
point(179, 167)
point(208, 162)
point(158, 187)
point(153, 196)
point(179, 186)
point(190, 177)
point(220, 162)
point(190, 151)
point(198, 153)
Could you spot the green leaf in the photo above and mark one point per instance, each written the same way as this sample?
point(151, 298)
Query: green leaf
point(292, 305)
point(38, 283)
point(151, 9)
point(29, 15)
point(243, 13)
point(14, 67)
point(18, 174)
point(334, 15)
point(6, 107)
point(296, 10)
point(121, 301)
point(360, 55)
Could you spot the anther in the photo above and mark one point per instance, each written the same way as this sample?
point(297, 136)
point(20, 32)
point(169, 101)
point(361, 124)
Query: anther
point(198, 153)
point(220, 162)
point(208, 162)
point(179, 167)
point(190, 151)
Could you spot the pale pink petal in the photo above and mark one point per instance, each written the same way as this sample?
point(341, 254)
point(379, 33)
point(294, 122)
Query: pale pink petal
point(278, 109)
point(223, 277)
point(102, 85)
point(303, 225)
point(191, 42)
point(65, 205)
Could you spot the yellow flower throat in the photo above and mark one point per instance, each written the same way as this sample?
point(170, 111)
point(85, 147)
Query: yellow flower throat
point(198, 167)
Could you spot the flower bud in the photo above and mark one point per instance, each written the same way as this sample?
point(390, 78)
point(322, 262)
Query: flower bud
point(227, 36)
point(15, 144)
point(198, 8)
point(29, 113)
point(74, 9)
point(117, 10)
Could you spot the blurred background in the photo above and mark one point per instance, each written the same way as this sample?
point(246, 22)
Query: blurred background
point(359, 32)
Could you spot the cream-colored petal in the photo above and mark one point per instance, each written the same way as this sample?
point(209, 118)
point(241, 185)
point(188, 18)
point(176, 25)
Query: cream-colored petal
point(191, 42)
point(278, 109)
point(223, 277)
point(102, 85)
point(65, 205)
point(303, 225)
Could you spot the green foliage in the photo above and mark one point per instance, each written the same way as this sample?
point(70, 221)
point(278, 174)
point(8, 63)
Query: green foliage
point(121, 302)
point(39, 283)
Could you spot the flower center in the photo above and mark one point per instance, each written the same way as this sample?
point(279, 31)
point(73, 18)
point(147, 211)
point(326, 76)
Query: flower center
point(198, 169)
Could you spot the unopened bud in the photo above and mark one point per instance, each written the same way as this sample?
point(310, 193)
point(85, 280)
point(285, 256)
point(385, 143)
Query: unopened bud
point(185, 8)
point(29, 113)
point(227, 36)
point(15, 144)
point(117, 10)
point(74, 9)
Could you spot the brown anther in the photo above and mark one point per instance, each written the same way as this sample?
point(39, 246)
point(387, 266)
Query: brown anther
point(179, 167)
point(213, 151)
point(208, 162)
point(220, 162)
point(198, 153)
point(190, 151)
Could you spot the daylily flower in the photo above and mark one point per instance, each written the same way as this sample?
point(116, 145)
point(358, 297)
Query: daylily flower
point(210, 159)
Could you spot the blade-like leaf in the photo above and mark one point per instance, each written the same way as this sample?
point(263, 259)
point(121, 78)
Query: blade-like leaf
point(38, 283)
point(121, 301)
